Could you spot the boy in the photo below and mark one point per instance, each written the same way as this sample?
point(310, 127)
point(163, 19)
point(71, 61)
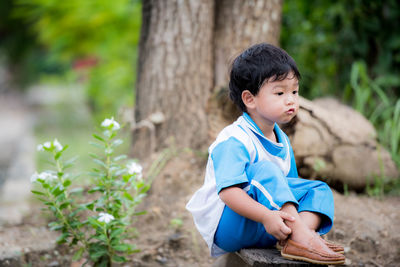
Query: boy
point(252, 196)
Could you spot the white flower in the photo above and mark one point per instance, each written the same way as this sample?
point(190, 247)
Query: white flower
point(105, 217)
point(34, 177)
point(47, 145)
point(135, 168)
point(47, 176)
point(57, 145)
point(110, 122)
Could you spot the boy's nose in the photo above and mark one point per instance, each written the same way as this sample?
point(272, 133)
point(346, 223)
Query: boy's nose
point(290, 99)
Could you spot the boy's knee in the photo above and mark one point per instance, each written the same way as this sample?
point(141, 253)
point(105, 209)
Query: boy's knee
point(323, 186)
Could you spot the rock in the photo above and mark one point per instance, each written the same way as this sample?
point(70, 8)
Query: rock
point(335, 143)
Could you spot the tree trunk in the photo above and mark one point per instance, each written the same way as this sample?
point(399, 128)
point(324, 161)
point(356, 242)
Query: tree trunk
point(184, 54)
point(239, 24)
point(174, 73)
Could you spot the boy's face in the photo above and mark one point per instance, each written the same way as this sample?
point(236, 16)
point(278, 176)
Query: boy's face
point(276, 102)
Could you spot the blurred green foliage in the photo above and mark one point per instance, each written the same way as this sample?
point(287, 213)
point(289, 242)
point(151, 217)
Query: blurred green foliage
point(350, 50)
point(20, 50)
point(326, 37)
point(381, 107)
point(98, 39)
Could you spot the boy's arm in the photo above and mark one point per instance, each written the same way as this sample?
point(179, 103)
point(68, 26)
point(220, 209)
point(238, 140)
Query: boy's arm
point(240, 202)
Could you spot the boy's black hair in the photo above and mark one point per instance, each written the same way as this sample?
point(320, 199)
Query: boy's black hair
point(256, 64)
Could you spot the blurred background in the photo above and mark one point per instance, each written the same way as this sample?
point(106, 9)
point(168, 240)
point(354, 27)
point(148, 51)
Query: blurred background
point(77, 60)
point(66, 65)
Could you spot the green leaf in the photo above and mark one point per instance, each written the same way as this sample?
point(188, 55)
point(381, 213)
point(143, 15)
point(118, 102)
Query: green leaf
point(58, 155)
point(120, 157)
point(139, 213)
point(62, 238)
point(67, 183)
point(95, 223)
point(117, 258)
point(64, 148)
point(96, 189)
point(121, 247)
point(128, 196)
point(64, 205)
point(101, 163)
point(56, 191)
point(98, 253)
point(116, 232)
point(56, 227)
point(93, 155)
point(78, 254)
point(96, 145)
point(90, 206)
point(99, 138)
point(117, 142)
point(38, 193)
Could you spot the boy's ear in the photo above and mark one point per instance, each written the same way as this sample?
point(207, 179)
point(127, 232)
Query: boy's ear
point(248, 99)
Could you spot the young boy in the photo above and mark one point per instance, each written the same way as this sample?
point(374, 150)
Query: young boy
point(252, 196)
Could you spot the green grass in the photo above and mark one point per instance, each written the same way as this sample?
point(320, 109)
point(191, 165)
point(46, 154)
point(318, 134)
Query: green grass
point(375, 99)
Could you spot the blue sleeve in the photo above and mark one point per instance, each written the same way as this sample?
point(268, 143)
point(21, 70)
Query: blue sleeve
point(293, 168)
point(230, 159)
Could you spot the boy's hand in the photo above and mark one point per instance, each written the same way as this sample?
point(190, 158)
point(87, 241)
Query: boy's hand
point(274, 224)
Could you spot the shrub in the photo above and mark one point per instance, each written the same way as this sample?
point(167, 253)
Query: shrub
point(100, 225)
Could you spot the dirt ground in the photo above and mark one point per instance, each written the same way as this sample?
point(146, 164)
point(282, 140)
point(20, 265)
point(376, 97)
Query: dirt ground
point(368, 228)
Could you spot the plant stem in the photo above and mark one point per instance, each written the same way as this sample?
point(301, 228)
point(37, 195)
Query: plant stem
point(108, 182)
point(109, 248)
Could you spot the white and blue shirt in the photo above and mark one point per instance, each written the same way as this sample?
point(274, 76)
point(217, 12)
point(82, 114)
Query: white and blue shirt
point(237, 146)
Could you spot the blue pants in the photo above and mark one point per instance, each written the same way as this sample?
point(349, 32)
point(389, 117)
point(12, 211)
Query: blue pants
point(268, 186)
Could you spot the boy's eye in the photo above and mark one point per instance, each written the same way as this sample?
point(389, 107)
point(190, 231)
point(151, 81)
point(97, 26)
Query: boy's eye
point(279, 93)
point(295, 92)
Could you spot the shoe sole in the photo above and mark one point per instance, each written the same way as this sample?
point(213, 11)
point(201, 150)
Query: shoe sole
point(294, 257)
point(279, 248)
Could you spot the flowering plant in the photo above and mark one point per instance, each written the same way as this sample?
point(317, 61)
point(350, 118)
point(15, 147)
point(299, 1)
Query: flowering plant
point(98, 227)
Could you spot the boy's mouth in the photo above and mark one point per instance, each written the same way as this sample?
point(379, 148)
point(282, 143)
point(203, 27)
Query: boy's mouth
point(290, 111)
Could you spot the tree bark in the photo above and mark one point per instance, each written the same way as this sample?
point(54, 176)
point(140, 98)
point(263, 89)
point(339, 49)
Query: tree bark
point(184, 54)
point(239, 24)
